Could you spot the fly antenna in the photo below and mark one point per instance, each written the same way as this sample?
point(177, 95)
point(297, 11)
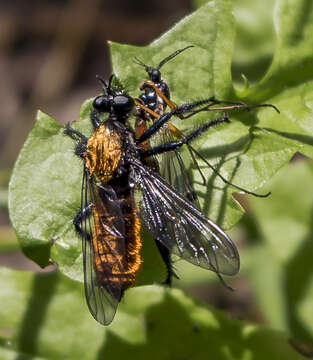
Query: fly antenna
point(139, 62)
point(170, 57)
point(103, 84)
point(110, 83)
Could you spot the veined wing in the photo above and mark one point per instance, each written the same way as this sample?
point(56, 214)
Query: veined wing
point(172, 167)
point(171, 164)
point(103, 235)
point(173, 170)
point(182, 228)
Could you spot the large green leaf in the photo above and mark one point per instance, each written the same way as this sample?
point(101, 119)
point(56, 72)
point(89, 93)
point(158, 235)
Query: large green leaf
point(255, 41)
point(292, 63)
point(288, 81)
point(45, 317)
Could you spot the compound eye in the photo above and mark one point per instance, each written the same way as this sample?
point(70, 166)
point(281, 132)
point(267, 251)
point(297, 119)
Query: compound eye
point(101, 103)
point(122, 103)
point(155, 75)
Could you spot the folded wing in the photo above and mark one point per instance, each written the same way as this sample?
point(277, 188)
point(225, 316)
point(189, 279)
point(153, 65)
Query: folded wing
point(181, 227)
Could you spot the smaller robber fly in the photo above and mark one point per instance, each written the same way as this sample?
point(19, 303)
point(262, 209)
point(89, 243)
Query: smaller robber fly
point(151, 105)
point(115, 166)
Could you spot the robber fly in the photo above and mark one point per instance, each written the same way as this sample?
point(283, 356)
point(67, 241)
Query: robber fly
point(115, 165)
point(151, 105)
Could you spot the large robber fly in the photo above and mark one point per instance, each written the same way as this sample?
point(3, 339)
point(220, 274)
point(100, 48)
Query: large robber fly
point(117, 163)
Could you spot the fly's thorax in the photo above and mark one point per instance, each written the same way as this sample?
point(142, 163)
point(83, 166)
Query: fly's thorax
point(103, 152)
point(162, 85)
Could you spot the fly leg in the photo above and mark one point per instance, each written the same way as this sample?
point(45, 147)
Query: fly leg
point(186, 140)
point(176, 144)
point(224, 105)
point(94, 118)
point(166, 257)
point(81, 215)
point(182, 109)
point(81, 140)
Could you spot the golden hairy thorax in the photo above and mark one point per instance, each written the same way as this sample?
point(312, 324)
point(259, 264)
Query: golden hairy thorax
point(103, 153)
point(117, 262)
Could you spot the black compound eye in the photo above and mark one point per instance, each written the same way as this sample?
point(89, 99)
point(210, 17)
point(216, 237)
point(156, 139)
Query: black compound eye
point(101, 103)
point(122, 103)
point(155, 75)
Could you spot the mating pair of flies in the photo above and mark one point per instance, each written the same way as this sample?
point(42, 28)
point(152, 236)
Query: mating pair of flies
point(125, 189)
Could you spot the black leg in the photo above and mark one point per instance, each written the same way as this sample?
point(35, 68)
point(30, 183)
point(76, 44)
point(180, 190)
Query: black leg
point(81, 139)
point(80, 216)
point(95, 120)
point(185, 108)
point(74, 134)
point(175, 144)
point(227, 106)
point(166, 257)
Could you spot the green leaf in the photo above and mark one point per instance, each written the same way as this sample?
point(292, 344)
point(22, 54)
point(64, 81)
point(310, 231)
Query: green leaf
point(285, 284)
point(38, 310)
point(288, 81)
point(202, 71)
point(43, 197)
point(255, 41)
point(293, 48)
point(7, 354)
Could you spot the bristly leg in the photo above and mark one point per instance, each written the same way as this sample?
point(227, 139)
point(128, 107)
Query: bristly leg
point(81, 140)
point(94, 118)
point(165, 118)
point(80, 216)
point(187, 138)
point(74, 134)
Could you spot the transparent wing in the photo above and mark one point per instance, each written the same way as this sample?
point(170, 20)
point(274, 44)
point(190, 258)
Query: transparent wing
point(173, 170)
point(172, 166)
point(103, 235)
point(182, 228)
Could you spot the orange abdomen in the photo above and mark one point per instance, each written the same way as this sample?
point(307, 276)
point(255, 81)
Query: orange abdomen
point(117, 260)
